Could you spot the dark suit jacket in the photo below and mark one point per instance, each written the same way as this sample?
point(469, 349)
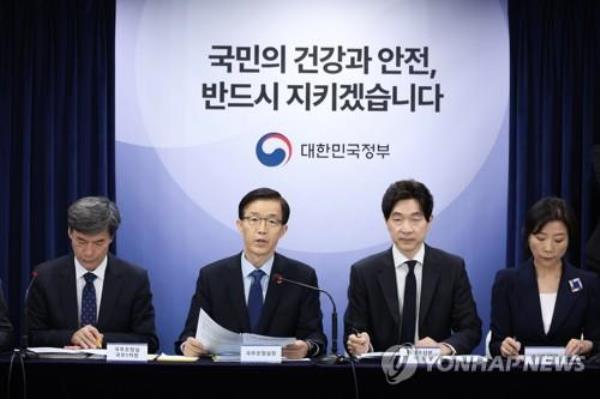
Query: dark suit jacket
point(516, 309)
point(289, 310)
point(6, 328)
point(126, 313)
point(592, 251)
point(447, 310)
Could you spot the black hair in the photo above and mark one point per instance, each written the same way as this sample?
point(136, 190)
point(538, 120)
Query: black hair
point(407, 189)
point(547, 210)
point(265, 193)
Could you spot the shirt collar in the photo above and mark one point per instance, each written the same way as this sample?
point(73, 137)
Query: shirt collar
point(400, 258)
point(99, 271)
point(248, 267)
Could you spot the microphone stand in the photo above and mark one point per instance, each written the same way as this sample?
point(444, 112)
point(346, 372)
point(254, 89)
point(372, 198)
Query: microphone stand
point(334, 357)
point(23, 350)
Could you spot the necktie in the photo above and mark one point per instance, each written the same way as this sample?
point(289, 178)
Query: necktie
point(88, 300)
point(255, 299)
point(409, 307)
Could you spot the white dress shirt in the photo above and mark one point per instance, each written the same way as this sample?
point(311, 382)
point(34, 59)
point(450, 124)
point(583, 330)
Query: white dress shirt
point(248, 268)
point(401, 271)
point(547, 301)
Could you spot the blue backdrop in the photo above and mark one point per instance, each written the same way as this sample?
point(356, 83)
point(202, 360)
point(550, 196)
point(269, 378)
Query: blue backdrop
point(181, 169)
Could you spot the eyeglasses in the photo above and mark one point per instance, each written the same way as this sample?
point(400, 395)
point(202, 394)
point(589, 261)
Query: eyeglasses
point(254, 221)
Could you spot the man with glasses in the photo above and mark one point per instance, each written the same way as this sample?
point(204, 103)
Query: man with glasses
point(240, 294)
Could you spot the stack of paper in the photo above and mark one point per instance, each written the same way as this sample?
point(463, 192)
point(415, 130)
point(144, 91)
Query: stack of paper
point(220, 341)
point(163, 357)
point(62, 353)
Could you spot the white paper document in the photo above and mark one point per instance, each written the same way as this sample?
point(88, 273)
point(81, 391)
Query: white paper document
point(371, 355)
point(420, 359)
point(466, 358)
point(264, 340)
point(62, 353)
point(220, 341)
point(544, 351)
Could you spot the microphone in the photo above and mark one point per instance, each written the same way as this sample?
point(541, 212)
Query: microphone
point(20, 352)
point(335, 356)
point(25, 329)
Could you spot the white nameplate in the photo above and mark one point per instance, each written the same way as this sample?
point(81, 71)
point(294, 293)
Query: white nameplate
point(544, 351)
point(126, 352)
point(420, 352)
point(260, 354)
point(427, 352)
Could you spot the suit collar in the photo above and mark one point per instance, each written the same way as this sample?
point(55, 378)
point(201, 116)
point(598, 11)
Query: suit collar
point(431, 274)
point(68, 293)
point(274, 292)
point(110, 290)
point(399, 258)
point(99, 271)
point(565, 298)
point(234, 286)
point(387, 280)
point(248, 267)
point(528, 287)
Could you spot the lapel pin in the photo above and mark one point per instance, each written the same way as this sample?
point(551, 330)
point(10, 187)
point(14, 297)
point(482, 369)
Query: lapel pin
point(575, 284)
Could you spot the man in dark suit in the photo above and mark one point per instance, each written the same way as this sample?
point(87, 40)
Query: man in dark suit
point(92, 297)
point(240, 294)
point(411, 293)
point(6, 328)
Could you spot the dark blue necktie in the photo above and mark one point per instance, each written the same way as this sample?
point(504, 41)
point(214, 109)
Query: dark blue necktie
point(88, 300)
point(255, 299)
point(409, 306)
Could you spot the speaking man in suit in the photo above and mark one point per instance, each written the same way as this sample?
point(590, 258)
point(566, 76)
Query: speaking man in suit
point(411, 293)
point(240, 293)
point(91, 297)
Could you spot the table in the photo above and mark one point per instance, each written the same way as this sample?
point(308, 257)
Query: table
point(85, 378)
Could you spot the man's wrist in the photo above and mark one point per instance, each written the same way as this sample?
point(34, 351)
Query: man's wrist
point(312, 348)
point(449, 347)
